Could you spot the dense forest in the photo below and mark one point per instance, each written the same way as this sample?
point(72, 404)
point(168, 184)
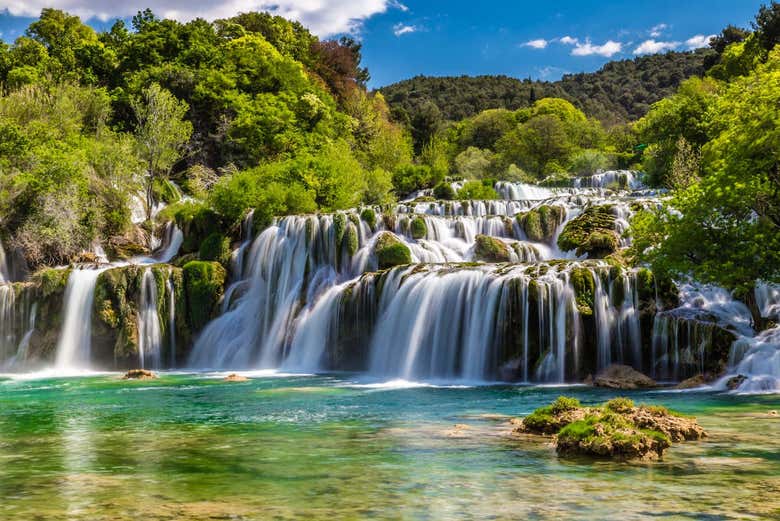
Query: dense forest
point(620, 92)
point(255, 112)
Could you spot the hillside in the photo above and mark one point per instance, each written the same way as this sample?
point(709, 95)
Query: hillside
point(620, 91)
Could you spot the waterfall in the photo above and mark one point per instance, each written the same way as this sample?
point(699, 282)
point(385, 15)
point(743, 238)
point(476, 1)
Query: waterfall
point(149, 333)
point(619, 179)
point(74, 344)
point(5, 275)
point(171, 320)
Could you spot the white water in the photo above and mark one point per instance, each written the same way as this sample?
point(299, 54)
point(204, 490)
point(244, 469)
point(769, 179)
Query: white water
point(75, 342)
point(149, 331)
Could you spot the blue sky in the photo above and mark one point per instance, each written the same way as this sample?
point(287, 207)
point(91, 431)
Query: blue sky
point(403, 38)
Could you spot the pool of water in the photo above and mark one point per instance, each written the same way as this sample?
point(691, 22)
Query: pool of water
point(193, 447)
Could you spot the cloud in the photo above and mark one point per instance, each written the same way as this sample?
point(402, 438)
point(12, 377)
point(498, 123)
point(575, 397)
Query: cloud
point(568, 40)
point(401, 29)
point(608, 50)
point(699, 41)
point(322, 17)
point(654, 47)
point(658, 30)
point(536, 44)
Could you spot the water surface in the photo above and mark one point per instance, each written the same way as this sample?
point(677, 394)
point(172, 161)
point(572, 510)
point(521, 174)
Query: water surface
point(190, 447)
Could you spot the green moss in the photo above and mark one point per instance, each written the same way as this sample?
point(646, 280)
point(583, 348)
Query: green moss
point(592, 233)
point(565, 403)
point(369, 216)
point(540, 224)
point(351, 239)
point(419, 228)
point(619, 405)
point(216, 247)
point(204, 284)
point(339, 227)
point(51, 280)
point(196, 221)
point(584, 284)
point(390, 251)
point(491, 249)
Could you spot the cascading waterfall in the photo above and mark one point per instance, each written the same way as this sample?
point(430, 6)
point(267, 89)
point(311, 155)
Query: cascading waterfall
point(618, 179)
point(149, 331)
point(74, 345)
point(171, 320)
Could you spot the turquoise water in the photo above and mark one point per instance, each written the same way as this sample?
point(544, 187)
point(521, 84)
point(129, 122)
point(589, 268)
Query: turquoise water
point(330, 447)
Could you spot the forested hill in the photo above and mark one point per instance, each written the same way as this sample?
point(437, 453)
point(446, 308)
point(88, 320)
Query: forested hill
point(621, 91)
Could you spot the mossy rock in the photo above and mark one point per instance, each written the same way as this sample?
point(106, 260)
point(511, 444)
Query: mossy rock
point(584, 283)
point(351, 239)
point(215, 247)
point(390, 251)
point(51, 281)
point(197, 222)
point(204, 284)
point(540, 224)
point(592, 233)
point(418, 228)
point(369, 216)
point(491, 249)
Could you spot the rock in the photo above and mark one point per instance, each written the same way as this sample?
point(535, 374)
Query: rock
point(418, 228)
point(368, 215)
point(139, 374)
point(692, 382)
point(215, 247)
point(540, 224)
point(390, 251)
point(204, 284)
point(617, 430)
point(491, 249)
point(734, 382)
point(592, 233)
point(619, 376)
point(236, 378)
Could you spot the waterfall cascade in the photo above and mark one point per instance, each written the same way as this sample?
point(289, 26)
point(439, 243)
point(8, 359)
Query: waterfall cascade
point(149, 331)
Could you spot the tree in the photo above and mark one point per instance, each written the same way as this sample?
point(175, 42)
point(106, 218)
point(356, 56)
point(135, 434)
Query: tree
point(767, 25)
point(161, 134)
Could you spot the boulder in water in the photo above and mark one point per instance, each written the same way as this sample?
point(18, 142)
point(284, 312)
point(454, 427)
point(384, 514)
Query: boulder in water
point(233, 377)
point(735, 382)
point(390, 251)
point(692, 382)
point(617, 430)
point(491, 249)
point(619, 376)
point(139, 374)
point(592, 233)
point(541, 223)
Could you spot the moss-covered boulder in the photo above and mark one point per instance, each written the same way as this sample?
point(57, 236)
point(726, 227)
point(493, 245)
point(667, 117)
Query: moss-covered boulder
point(368, 215)
point(204, 284)
point(197, 222)
point(418, 228)
point(491, 249)
point(215, 247)
point(541, 223)
point(616, 430)
point(584, 283)
point(390, 251)
point(592, 233)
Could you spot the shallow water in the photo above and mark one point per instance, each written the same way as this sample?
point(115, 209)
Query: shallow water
point(189, 447)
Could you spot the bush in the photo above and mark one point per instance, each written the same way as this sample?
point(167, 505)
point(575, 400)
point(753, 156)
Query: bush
point(476, 190)
point(216, 247)
point(588, 162)
point(444, 191)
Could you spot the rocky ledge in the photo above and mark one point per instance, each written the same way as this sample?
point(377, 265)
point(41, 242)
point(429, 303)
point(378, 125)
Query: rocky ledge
point(616, 430)
point(139, 374)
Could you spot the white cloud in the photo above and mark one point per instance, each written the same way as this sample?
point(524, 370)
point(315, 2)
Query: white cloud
point(401, 29)
point(568, 40)
point(653, 47)
point(323, 17)
point(607, 50)
point(699, 41)
point(536, 44)
point(658, 30)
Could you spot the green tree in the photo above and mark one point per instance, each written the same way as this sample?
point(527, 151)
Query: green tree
point(161, 134)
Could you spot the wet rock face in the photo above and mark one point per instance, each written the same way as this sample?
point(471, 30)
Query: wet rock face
point(623, 377)
point(139, 374)
point(617, 430)
point(592, 233)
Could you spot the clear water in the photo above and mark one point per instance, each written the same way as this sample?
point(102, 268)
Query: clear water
point(193, 447)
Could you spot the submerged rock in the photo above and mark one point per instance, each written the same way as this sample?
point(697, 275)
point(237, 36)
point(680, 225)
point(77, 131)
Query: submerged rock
point(617, 430)
point(734, 382)
point(235, 378)
point(139, 374)
point(619, 376)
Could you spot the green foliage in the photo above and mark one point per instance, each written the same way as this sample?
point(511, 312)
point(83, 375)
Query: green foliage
point(619, 405)
point(444, 191)
point(564, 403)
point(588, 162)
point(620, 92)
point(474, 163)
point(410, 178)
point(477, 190)
point(215, 247)
point(725, 229)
